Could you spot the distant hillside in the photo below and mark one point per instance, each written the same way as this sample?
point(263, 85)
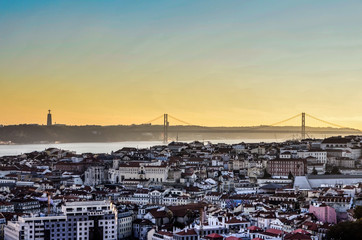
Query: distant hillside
point(68, 134)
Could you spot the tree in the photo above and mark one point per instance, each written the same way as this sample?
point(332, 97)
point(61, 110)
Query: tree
point(290, 176)
point(169, 215)
point(345, 231)
point(266, 174)
point(335, 170)
point(314, 172)
point(358, 212)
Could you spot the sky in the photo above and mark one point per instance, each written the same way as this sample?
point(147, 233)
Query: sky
point(212, 63)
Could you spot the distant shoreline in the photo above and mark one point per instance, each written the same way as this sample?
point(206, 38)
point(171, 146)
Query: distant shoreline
point(37, 134)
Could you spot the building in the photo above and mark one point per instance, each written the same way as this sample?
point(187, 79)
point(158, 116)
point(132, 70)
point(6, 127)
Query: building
point(91, 220)
point(318, 181)
point(336, 143)
point(324, 213)
point(156, 171)
point(6, 207)
point(26, 205)
point(36, 227)
point(321, 156)
point(282, 167)
point(95, 175)
point(162, 235)
point(141, 227)
point(342, 162)
point(124, 224)
point(186, 234)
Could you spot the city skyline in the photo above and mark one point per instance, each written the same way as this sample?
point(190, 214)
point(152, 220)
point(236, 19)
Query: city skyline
point(234, 63)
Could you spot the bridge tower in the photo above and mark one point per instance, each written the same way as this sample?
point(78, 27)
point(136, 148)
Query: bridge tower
point(165, 128)
point(303, 125)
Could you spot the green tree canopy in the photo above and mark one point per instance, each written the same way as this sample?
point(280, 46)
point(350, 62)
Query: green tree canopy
point(266, 174)
point(358, 212)
point(335, 170)
point(345, 231)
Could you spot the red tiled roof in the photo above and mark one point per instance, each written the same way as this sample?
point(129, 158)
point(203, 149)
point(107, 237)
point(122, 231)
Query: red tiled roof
point(274, 231)
point(297, 236)
point(301, 231)
point(165, 233)
point(158, 214)
point(234, 220)
point(254, 228)
point(188, 232)
point(233, 238)
point(214, 235)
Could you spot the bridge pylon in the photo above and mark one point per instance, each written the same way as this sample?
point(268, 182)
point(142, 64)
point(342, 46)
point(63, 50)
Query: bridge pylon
point(165, 128)
point(303, 126)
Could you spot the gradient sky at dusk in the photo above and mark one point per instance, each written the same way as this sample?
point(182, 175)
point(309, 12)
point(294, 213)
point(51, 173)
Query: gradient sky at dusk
point(211, 63)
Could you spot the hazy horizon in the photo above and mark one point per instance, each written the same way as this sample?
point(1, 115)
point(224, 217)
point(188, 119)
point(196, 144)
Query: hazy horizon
point(179, 125)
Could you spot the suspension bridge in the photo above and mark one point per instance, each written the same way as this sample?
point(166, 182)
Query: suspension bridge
point(302, 116)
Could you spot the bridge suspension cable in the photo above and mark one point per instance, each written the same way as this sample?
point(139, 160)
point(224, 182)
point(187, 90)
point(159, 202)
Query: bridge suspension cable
point(326, 122)
point(155, 119)
point(179, 120)
point(286, 120)
point(262, 126)
point(174, 118)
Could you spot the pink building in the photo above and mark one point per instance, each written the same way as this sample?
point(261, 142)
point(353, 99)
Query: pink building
point(324, 213)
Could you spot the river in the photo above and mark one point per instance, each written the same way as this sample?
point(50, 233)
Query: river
point(16, 149)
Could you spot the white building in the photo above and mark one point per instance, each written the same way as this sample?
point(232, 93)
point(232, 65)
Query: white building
point(321, 156)
point(78, 220)
point(124, 225)
point(156, 171)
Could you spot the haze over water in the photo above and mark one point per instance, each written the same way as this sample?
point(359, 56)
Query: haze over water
point(108, 147)
point(8, 150)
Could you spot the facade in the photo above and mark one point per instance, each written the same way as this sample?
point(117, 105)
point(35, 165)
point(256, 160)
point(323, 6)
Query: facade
point(319, 181)
point(162, 235)
point(141, 227)
point(342, 162)
point(336, 143)
point(36, 228)
point(95, 175)
point(186, 234)
point(124, 225)
point(6, 207)
point(157, 172)
point(92, 220)
point(324, 213)
point(26, 205)
point(282, 167)
point(321, 156)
